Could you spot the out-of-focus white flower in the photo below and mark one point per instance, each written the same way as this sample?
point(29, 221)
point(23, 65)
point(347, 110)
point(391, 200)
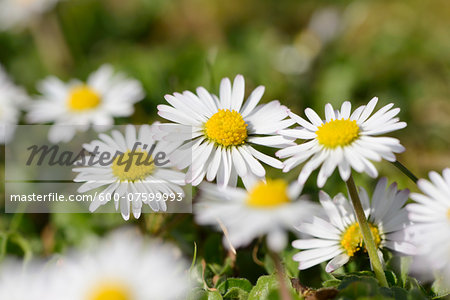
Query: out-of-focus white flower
point(11, 99)
point(342, 141)
point(339, 237)
point(131, 170)
point(77, 105)
point(25, 282)
point(431, 222)
point(218, 132)
point(125, 267)
point(269, 208)
point(325, 23)
point(19, 12)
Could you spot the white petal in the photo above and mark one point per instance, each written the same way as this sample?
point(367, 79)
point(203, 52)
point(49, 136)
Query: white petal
point(225, 93)
point(237, 94)
point(337, 262)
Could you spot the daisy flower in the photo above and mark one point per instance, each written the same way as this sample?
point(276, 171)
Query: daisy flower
point(126, 267)
point(338, 238)
point(431, 220)
point(219, 132)
point(269, 208)
point(25, 282)
point(11, 98)
point(77, 105)
point(20, 12)
point(131, 170)
point(342, 140)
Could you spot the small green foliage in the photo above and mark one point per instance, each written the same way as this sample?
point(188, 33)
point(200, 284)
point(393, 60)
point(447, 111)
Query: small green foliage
point(263, 287)
point(235, 288)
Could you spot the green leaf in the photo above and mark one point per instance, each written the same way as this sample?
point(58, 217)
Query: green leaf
point(331, 283)
point(212, 295)
point(230, 283)
point(399, 293)
point(355, 287)
point(405, 262)
point(440, 287)
point(236, 294)
point(201, 294)
point(390, 277)
point(263, 287)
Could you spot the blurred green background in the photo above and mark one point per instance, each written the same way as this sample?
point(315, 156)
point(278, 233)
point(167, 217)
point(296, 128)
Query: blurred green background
point(306, 53)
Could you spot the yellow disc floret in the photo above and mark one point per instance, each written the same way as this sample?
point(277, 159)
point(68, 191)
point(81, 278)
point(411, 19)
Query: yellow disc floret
point(83, 97)
point(352, 239)
point(132, 166)
point(110, 291)
point(266, 195)
point(337, 133)
point(226, 128)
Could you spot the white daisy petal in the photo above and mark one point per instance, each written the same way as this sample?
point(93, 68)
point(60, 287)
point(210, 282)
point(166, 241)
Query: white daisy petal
point(229, 123)
point(225, 93)
point(140, 179)
point(346, 141)
point(431, 218)
point(368, 109)
point(78, 105)
point(329, 113)
point(313, 117)
point(339, 237)
point(252, 101)
point(265, 209)
point(337, 262)
point(237, 94)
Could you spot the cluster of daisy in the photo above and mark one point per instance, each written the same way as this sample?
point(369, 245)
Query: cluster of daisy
point(222, 138)
point(216, 138)
point(123, 266)
point(223, 133)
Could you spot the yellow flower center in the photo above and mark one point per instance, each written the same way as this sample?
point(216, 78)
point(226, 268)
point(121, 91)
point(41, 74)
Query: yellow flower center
point(337, 133)
point(448, 214)
point(226, 128)
point(110, 291)
point(132, 166)
point(352, 239)
point(83, 98)
point(266, 195)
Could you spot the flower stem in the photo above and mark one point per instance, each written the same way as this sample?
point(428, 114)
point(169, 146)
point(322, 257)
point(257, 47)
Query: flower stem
point(51, 44)
point(281, 274)
point(405, 170)
point(366, 232)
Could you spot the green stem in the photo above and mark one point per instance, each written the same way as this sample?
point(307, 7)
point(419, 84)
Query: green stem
point(366, 232)
point(51, 44)
point(405, 170)
point(281, 275)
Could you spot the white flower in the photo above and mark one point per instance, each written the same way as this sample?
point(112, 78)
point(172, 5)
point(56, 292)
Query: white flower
point(125, 266)
point(131, 170)
point(431, 221)
point(339, 238)
point(343, 140)
point(11, 99)
point(76, 105)
point(219, 132)
point(25, 282)
point(270, 209)
point(20, 12)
